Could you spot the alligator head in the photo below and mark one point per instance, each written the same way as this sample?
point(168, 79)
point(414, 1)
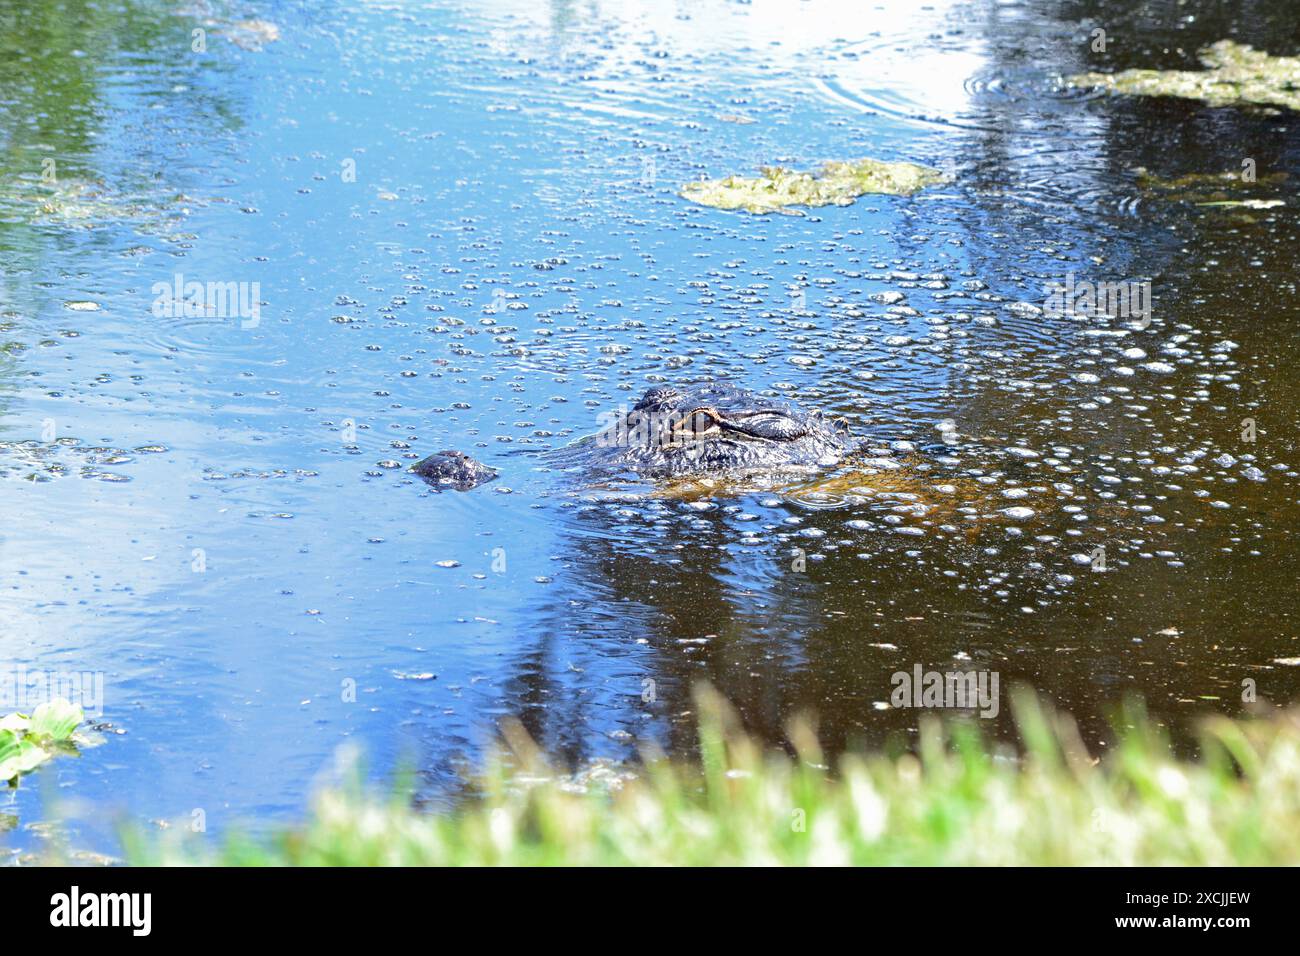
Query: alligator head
point(715, 428)
point(708, 430)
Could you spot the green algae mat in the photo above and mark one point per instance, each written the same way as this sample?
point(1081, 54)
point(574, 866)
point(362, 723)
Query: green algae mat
point(1235, 74)
point(777, 189)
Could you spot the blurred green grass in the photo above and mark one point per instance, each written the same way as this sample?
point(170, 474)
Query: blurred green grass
point(958, 801)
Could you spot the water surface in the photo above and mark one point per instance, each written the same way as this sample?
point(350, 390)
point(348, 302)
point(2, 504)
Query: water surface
point(464, 223)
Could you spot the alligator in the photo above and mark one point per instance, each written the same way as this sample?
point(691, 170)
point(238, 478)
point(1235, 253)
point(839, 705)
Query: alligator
point(453, 470)
point(702, 430)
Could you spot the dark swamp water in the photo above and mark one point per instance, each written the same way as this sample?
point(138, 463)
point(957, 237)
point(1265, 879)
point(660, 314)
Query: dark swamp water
point(464, 222)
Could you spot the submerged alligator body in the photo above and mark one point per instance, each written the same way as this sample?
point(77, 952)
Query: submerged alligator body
point(710, 430)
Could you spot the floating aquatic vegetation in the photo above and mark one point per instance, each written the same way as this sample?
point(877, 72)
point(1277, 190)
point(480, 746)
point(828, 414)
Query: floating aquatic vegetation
point(1234, 74)
point(27, 742)
point(86, 204)
point(836, 184)
point(1246, 203)
point(1211, 189)
point(1197, 182)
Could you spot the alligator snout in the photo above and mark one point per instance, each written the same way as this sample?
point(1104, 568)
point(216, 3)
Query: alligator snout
point(453, 470)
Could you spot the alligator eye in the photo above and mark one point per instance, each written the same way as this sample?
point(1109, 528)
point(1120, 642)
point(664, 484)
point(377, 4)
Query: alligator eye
point(698, 422)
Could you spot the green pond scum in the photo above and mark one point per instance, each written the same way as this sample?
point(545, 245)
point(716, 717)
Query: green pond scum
point(1225, 190)
point(1235, 74)
point(777, 189)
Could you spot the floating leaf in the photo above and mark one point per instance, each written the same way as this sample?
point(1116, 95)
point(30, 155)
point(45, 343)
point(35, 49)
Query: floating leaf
point(19, 754)
point(18, 723)
point(56, 719)
point(27, 742)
